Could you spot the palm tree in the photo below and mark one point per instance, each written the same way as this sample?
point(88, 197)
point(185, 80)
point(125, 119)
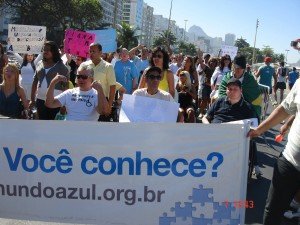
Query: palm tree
point(126, 36)
point(166, 38)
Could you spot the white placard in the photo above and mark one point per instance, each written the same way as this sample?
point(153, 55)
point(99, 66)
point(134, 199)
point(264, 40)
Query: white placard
point(229, 50)
point(26, 38)
point(145, 109)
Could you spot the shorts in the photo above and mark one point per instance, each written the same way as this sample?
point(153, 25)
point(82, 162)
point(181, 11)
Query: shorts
point(204, 92)
point(280, 85)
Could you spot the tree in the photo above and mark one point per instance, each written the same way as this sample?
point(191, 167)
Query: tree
point(165, 38)
point(126, 36)
point(267, 51)
point(241, 43)
point(56, 15)
point(187, 48)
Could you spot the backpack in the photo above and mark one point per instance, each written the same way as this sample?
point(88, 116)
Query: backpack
point(283, 71)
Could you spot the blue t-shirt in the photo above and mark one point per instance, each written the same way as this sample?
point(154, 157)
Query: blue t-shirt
point(125, 73)
point(266, 74)
point(293, 76)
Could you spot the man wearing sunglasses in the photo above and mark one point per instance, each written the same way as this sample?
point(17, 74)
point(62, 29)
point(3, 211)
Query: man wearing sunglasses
point(153, 77)
point(84, 102)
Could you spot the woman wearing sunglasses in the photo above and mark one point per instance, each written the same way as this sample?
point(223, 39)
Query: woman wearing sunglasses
point(160, 59)
point(84, 102)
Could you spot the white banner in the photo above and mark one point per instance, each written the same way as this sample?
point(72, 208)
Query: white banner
point(26, 39)
point(130, 173)
point(229, 50)
point(143, 109)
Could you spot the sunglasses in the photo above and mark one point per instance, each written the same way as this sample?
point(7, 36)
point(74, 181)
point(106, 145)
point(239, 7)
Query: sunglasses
point(84, 77)
point(182, 75)
point(157, 56)
point(153, 77)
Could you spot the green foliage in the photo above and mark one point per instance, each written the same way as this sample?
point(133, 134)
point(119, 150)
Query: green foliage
point(187, 48)
point(241, 43)
point(166, 38)
point(56, 15)
point(126, 36)
point(246, 50)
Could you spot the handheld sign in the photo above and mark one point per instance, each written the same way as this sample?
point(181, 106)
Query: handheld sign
point(78, 42)
point(26, 39)
point(107, 38)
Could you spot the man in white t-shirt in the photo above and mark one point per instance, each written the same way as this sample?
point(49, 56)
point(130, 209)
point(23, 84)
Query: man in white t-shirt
point(286, 177)
point(84, 102)
point(153, 77)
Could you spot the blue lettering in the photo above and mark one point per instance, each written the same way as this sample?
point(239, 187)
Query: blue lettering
point(64, 163)
point(13, 164)
point(43, 166)
point(197, 164)
point(174, 167)
point(139, 162)
point(112, 167)
point(84, 165)
point(161, 163)
point(25, 162)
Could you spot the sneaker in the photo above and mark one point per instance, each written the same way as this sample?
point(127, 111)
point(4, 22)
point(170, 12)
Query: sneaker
point(275, 103)
point(256, 171)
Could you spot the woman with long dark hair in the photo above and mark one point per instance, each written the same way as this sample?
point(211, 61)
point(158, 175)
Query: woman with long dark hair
point(160, 58)
point(28, 65)
point(46, 70)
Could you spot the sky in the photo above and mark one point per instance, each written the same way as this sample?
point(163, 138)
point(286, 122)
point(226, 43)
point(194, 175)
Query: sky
point(278, 20)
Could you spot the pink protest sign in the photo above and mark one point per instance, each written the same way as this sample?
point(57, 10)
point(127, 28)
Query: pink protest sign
point(78, 42)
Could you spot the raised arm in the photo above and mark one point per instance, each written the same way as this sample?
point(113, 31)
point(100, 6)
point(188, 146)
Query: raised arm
point(51, 102)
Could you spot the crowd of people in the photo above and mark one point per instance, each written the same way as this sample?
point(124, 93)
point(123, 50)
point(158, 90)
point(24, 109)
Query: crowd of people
point(208, 89)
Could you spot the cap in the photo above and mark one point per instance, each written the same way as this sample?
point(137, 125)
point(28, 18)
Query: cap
point(234, 81)
point(240, 61)
point(268, 59)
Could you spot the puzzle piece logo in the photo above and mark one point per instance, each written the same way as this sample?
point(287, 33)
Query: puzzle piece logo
point(192, 212)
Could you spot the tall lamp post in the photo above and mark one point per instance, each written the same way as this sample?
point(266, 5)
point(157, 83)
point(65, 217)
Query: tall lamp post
point(169, 24)
point(287, 51)
point(184, 29)
point(254, 52)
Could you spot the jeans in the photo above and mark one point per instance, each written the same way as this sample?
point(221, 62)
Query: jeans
point(284, 185)
point(45, 113)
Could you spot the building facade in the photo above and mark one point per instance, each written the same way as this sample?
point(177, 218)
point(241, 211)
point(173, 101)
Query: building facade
point(112, 11)
point(229, 39)
point(146, 37)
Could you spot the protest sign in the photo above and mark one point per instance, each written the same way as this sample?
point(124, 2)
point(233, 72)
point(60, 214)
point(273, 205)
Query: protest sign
point(229, 50)
point(144, 109)
point(127, 173)
point(107, 38)
point(78, 42)
point(25, 38)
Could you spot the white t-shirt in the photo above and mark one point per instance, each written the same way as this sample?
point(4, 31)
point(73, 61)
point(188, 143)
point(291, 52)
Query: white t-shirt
point(291, 105)
point(174, 67)
point(280, 78)
point(162, 95)
point(80, 105)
